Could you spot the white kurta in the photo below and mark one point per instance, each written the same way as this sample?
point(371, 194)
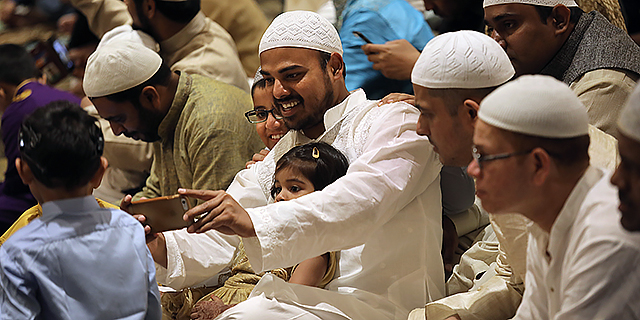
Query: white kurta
point(587, 266)
point(384, 214)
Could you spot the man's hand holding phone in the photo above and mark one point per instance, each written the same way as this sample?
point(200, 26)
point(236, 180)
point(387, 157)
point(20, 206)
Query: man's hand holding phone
point(395, 59)
point(220, 211)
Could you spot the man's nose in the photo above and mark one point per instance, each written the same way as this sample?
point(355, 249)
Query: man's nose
point(117, 128)
point(496, 36)
point(279, 91)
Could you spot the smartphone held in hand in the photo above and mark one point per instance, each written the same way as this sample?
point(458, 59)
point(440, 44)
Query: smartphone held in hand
point(162, 213)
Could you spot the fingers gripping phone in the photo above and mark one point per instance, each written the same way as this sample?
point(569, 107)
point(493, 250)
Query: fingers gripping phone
point(162, 213)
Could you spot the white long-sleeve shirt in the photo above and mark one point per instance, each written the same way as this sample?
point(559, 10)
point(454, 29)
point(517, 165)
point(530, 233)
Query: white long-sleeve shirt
point(587, 266)
point(384, 214)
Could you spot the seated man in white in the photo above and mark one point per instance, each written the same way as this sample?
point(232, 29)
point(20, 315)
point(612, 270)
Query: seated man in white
point(384, 214)
point(530, 150)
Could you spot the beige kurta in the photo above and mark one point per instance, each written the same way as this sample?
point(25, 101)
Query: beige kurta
point(201, 47)
point(246, 23)
point(204, 138)
point(604, 92)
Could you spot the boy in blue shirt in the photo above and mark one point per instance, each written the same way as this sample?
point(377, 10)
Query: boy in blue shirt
point(77, 261)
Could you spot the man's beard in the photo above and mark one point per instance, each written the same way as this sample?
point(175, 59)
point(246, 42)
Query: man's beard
point(145, 26)
point(149, 124)
point(317, 115)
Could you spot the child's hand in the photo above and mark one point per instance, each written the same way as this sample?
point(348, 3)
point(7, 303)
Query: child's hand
point(220, 212)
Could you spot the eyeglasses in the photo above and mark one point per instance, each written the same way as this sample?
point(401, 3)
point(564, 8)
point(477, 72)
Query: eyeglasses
point(257, 116)
point(485, 158)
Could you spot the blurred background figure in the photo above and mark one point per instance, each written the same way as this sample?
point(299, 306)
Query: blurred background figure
point(382, 22)
point(20, 94)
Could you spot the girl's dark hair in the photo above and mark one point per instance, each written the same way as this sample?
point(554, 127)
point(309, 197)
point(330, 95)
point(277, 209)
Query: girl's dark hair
point(321, 166)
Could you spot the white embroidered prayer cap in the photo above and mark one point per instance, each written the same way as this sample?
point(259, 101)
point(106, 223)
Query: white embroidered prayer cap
point(536, 105)
point(464, 60)
point(544, 3)
point(118, 65)
point(301, 29)
point(126, 32)
point(629, 122)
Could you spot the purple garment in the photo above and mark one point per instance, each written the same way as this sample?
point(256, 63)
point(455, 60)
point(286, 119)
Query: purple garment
point(15, 196)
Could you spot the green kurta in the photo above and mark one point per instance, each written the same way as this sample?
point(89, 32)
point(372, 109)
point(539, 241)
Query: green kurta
point(204, 138)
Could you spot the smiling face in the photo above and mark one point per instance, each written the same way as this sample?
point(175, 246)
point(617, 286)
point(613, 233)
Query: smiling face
point(500, 184)
point(134, 122)
point(271, 130)
point(291, 184)
point(302, 88)
point(451, 135)
point(529, 43)
point(627, 179)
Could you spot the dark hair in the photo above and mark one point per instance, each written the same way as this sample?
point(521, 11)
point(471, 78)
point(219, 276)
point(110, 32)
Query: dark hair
point(16, 64)
point(319, 162)
point(545, 13)
point(566, 152)
point(161, 77)
point(177, 11)
point(262, 83)
point(62, 145)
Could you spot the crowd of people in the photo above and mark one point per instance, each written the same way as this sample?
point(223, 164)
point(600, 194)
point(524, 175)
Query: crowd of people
point(354, 163)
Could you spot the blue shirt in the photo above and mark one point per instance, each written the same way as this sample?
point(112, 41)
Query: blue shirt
point(78, 261)
point(380, 21)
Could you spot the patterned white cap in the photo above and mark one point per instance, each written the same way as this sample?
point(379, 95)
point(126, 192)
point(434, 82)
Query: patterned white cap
point(301, 29)
point(536, 105)
point(629, 122)
point(126, 32)
point(462, 59)
point(544, 3)
point(118, 65)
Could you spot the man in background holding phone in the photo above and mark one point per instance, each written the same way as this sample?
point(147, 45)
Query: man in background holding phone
point(379, 21)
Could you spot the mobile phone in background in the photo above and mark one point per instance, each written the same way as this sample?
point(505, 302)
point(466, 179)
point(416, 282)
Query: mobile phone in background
point(361, 36)
point(51, 58)
point(162, 213)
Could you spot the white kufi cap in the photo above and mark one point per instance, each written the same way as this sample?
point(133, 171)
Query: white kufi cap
point(301, 29)
point(126, 32)
point(544, 3)
point(119, 64)
point(464, 60)
point(537, 105)
point(629, 122)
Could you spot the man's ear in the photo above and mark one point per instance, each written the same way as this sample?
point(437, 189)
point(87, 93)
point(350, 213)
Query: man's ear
point(148, 8)
point(471, 110)
point(150, 98)
point(97, 177)
point(24, 171)
point(542, 164)
point(336, 66)
point(560, 18)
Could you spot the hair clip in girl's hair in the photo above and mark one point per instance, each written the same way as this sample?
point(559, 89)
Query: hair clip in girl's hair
point(315, 153)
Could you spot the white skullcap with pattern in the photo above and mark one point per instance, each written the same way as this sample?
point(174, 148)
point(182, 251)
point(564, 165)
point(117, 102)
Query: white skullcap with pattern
point(544, 3)
point(536, 105)
point(301, 29)
point(464, 60)
point(126, 32)
point(118, 65)
point(629, 122)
